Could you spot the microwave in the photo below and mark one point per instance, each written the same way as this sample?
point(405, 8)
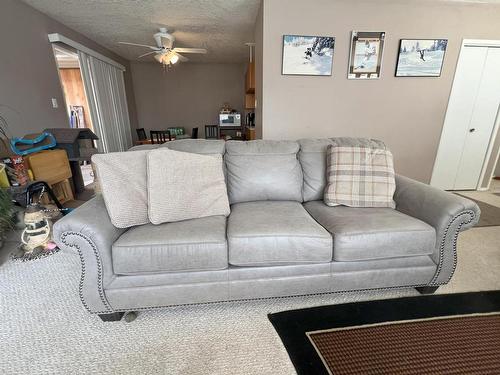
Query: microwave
point(229, 119)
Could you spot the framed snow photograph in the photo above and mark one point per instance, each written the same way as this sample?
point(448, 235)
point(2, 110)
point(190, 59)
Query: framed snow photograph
point(365, 57)
point(307, 55)
point(421, 57)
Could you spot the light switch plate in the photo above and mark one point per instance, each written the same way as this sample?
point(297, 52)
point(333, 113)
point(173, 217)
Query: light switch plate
point(54, 103)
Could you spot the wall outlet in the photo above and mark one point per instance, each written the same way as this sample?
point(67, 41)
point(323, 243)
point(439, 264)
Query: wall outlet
point(54, 103)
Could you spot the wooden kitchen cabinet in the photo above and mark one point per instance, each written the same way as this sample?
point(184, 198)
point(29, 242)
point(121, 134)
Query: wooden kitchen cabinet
point(250, 79)
point(249, 101)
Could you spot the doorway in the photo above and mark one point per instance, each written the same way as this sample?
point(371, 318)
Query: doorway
point(77, 106)
point(467, 146)
point(105, 99)
point(68, 65)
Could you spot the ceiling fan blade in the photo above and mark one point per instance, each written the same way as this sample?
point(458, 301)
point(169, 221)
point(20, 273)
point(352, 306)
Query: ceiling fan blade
point(141, 45)
point(145, 54)
point(190, 50)
point(181, 58)
point(159, 58)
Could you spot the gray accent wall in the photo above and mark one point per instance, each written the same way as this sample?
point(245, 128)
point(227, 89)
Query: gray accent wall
point(187, 95)
point(406, 113)
point(28, 71)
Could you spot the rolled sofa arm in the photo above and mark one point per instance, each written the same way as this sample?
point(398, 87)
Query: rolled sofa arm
point(448, 213)
point(89, 231)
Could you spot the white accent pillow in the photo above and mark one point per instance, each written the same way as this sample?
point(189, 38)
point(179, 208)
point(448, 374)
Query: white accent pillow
point(123, 181)
point(184, 186)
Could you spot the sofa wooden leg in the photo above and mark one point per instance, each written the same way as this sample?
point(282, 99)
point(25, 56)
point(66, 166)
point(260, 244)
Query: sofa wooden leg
point(130, 316)
point(427, 289)
point(113, 317)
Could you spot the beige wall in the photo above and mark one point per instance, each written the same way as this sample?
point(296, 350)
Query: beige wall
point(189, 95)
point(407, 113)
point(28, 71)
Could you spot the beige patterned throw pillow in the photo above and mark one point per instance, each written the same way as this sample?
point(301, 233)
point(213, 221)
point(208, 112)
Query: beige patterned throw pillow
point(184, 186)
point(122, 178)
point(359, 177)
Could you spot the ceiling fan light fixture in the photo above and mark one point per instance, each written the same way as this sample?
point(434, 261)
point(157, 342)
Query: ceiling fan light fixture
point(174, 59)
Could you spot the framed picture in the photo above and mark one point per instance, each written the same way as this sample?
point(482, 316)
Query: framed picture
point(365, 57)
point(307, 55)
point(421, 57)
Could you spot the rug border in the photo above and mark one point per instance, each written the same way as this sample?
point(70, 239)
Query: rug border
point(292, 325)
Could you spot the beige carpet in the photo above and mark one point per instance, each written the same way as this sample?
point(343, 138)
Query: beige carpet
point(45, 330)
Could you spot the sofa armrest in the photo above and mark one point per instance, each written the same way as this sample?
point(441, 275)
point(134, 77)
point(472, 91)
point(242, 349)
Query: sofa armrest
point(448, 213)
point(89, 231)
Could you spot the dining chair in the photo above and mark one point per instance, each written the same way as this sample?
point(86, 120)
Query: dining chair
point(211, 132)
point(194, 133)
point(159, 136)
point(141, 134)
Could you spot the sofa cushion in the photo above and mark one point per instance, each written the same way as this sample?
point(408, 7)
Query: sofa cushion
point(373, 233)
point(359, 177)
point(123, 183)
point(193, 186)
point(191, 245)
point(197, 146)
point(263, 170)
point(275, 233)
point(312, 157)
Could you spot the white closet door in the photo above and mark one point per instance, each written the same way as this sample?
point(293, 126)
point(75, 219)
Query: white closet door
point(481, 125)
point(458, 116)
point(469, 121)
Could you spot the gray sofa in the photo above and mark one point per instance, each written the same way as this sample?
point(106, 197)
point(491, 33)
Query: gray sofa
point(279, 240)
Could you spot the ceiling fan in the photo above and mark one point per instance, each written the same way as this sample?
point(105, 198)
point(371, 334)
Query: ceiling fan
point(164, 51)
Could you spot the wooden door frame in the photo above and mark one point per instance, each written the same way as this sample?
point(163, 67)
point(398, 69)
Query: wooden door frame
point(496, 126)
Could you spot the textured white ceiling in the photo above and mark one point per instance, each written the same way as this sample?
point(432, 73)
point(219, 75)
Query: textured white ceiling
point(221, 26)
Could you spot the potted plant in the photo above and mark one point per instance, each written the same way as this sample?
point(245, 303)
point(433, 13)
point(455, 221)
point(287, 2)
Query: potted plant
point(6, 206)
point(6, 222)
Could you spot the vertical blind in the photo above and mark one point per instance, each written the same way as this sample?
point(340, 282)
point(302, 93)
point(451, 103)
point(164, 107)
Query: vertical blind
point(105, 90)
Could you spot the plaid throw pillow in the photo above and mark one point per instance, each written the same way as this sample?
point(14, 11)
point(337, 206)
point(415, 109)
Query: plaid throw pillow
point(359, 177)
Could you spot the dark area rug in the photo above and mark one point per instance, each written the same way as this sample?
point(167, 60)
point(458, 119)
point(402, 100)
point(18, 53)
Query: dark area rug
point(490, 215)
point(462, 329)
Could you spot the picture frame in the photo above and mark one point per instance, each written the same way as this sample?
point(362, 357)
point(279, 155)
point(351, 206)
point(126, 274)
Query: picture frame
point(307, 55)
point(421, 57)
point(365, 54)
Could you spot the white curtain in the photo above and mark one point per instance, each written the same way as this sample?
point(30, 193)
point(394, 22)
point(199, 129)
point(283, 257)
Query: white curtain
point(105, 89)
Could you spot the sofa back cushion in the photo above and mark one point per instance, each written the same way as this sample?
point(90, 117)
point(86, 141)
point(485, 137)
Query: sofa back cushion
point(197, 146)
point(263, 170)
point(312, 157)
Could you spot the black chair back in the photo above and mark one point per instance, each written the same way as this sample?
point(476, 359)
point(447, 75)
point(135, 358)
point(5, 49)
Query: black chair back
point(211, 131)
point(160, 136)
point(194, 133)
point(141, 134)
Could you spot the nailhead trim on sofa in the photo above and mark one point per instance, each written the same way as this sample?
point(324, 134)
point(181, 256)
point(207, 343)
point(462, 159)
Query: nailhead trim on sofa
point(82, 276)
point(472, 215)
point(110, 309)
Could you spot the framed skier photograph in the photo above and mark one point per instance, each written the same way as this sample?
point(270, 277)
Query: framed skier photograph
point(307, 55)
point(421, 57)
point(365, 56)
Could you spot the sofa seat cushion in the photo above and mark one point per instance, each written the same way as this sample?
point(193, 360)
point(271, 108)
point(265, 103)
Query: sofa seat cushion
point(190, 245)
point(266, 233)
point(373, 233)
